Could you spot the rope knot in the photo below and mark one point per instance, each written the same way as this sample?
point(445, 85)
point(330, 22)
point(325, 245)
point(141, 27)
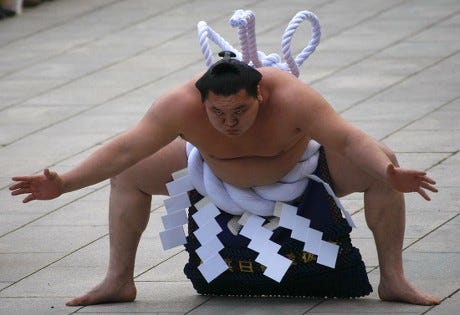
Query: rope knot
point(245, 21)
point(271, 60)
point(239, 18)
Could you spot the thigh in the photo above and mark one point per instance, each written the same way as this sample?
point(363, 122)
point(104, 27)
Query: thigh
point(151, 174)
point(346, 176)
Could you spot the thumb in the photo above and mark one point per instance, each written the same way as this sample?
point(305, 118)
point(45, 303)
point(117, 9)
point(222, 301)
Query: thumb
point(49, 174)
point(391, 169)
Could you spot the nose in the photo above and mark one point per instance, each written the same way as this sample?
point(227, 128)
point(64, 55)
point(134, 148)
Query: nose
point(230, 121)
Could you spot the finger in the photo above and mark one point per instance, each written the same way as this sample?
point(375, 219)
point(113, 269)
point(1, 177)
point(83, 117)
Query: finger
point(51, 175)
point(15, 186)
point(22, 178)
point(429, 187)
point(416, 173)
point(47, 173)
point(21, 191)
point(19, 185)
point(424, 194)
point(28, 198)
point(429, 180)
point(391, 169)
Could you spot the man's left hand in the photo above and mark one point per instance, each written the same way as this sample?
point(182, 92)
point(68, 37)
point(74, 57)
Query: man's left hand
point(405, 180)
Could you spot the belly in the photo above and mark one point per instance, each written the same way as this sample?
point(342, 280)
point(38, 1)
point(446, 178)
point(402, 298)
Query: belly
point(256, 171)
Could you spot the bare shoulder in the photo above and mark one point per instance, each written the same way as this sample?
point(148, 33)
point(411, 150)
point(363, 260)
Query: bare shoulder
point(306, 109)
point(293, 95)
point(176, 106)
point(178, 99)
point(284, 84)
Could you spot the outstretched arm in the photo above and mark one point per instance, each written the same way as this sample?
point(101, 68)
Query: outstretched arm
point(368, 154)
point(331, 130)
point(157, 128)
point(112, 158)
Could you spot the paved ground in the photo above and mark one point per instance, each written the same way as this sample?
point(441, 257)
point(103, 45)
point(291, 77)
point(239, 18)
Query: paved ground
point(73, 74)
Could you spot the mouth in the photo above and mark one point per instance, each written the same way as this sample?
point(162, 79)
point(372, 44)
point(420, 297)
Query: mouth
point(232, 131)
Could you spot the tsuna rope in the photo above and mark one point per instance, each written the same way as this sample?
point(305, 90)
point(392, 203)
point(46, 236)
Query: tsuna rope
point(245, 21)
point(258, 200)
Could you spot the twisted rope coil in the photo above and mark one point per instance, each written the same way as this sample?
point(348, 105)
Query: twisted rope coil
point(259, 200)
point(245, 21)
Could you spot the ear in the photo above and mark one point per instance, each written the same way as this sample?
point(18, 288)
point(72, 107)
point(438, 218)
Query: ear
point(259, 95)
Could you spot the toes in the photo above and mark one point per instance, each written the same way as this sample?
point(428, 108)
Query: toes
point(73, 302)
point(79, 301)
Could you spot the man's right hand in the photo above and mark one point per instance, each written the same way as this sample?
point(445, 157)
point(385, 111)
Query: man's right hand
point(38, 187)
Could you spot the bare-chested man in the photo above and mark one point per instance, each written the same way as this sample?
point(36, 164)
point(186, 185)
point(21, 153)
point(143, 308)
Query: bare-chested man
point(243, 121)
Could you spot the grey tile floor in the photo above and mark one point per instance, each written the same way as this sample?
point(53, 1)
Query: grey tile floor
point(73, 74)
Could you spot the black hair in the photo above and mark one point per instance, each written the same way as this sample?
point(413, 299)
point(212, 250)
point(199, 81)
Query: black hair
point(228, 76)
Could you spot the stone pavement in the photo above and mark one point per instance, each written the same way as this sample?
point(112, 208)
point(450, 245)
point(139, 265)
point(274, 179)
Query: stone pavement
point(73, 74)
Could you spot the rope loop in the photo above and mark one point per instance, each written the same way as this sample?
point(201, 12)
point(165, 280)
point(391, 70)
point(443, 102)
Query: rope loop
point(245, 21)
point(301, 16)
point(205, 32)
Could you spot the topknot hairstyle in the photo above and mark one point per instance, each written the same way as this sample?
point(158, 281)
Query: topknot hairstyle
point(228, 76)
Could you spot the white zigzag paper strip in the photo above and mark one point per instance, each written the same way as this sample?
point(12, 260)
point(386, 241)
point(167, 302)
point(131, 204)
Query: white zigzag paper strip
point(208, 228)
point(175, 206)
point(277, 265)
point(213, 267)
point(172, 237)
point(312, 239)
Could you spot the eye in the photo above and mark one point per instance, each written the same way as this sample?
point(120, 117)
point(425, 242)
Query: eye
point(239, 110)
point(217, 111)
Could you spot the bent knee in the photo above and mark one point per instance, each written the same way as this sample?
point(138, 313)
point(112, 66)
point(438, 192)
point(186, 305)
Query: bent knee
point(130, 177)
point(124, 179)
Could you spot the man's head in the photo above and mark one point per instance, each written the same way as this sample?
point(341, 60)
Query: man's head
point(228, 76)
point(230, 93)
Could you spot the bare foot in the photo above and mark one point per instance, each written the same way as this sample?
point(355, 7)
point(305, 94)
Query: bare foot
point(403, 291)
point(107, 291)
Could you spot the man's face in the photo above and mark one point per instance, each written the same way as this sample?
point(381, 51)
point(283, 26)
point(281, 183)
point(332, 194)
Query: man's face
point(232, 115)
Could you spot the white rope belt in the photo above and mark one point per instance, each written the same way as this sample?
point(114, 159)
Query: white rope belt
point(258, 200)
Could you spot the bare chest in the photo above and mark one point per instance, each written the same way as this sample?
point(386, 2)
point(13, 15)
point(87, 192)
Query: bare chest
point(261, 143)
point(252, 161)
